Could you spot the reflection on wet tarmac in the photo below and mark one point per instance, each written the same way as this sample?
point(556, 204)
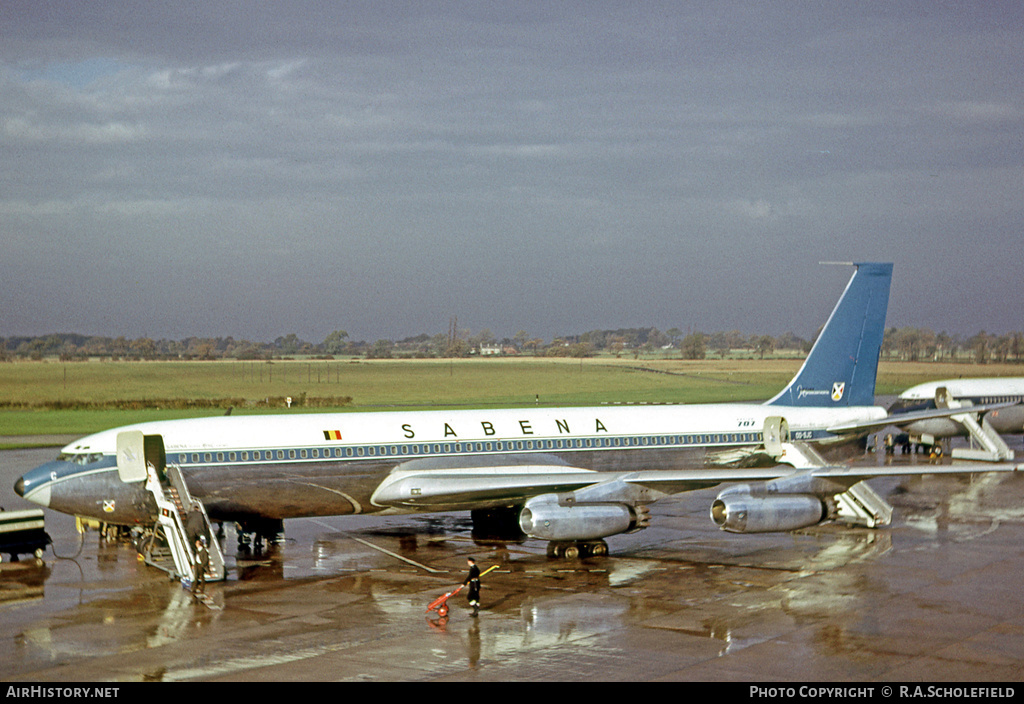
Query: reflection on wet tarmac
point(344, 599)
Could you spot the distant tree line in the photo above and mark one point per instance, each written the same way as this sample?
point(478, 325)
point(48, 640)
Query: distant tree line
point(906, 344)
point(922, 344)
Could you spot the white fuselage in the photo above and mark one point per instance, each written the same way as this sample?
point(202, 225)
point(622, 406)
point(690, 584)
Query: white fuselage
point(298, 464)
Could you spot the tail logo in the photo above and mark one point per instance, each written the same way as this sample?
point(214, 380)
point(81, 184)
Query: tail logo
point(837, 390)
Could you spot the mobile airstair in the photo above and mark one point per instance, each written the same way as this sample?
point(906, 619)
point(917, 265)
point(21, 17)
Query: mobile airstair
point(986, 444)
point(169, 544)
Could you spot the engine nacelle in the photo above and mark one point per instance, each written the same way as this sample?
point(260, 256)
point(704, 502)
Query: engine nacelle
point(544, 518)
point(742, 513)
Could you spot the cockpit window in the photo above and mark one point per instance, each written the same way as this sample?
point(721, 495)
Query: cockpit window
point(80, 458)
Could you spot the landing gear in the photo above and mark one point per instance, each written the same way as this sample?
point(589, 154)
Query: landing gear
point(577, 549)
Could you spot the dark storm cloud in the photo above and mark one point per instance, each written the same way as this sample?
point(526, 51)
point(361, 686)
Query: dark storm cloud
point(255, 169)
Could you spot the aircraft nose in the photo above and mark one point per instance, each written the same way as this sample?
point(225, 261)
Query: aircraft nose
point(35, 485)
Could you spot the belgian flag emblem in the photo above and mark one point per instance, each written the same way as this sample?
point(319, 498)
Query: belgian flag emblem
point(332, 435)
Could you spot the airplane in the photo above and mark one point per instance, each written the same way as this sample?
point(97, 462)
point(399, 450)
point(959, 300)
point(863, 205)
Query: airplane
point(970, 394)
point(570, 476)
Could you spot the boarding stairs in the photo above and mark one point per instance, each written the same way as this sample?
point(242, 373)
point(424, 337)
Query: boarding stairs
point(861, 505)
point(171, 548)
point(170, 543)
point(801, 455)
point(986, 444)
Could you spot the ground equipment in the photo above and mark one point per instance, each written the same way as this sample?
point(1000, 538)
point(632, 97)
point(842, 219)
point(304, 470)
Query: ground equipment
point(440, 604)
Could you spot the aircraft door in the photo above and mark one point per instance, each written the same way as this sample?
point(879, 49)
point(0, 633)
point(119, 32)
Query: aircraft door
point(131, 456)
point(776, 433)
point(135, 451)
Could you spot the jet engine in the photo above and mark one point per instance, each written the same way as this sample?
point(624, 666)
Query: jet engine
point(743, 513)
point(786, 503)
point(545, 518)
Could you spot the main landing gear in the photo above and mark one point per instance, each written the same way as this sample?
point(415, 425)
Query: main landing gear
point(503, 524)
point(579, 548)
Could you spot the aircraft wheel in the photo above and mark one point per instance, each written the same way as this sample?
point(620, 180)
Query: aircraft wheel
point(572, 551)
point(38, 553)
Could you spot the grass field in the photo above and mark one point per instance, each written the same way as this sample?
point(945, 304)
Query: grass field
point(52, 397)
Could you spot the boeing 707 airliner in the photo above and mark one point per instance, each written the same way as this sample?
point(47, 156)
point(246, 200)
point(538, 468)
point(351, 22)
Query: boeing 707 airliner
point(570, 476)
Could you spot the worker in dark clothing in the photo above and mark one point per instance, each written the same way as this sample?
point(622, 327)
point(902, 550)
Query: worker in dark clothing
point(473, 581)
point(195, 523)
point(202, 564)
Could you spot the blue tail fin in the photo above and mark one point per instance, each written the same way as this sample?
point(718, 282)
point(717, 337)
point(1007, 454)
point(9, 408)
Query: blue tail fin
point(843, 364)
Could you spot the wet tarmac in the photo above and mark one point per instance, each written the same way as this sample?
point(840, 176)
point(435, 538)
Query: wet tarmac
point(935, 597)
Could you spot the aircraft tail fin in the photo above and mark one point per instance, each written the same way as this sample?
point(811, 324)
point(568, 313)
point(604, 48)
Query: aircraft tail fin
point(843, 364)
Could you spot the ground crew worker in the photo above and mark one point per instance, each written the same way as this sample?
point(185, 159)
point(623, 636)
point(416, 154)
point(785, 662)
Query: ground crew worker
point(195, 522)
point(473, 580)
point(202, 564)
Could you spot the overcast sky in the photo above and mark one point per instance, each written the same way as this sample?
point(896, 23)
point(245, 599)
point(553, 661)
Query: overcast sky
point(170, 169)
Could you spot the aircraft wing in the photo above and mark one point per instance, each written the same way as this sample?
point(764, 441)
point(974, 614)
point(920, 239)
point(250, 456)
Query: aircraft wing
point(899, 419)
point(487, 487)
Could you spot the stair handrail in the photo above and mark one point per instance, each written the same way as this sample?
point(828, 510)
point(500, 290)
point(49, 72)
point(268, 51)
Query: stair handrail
point(177, 480)
point(168, 517)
